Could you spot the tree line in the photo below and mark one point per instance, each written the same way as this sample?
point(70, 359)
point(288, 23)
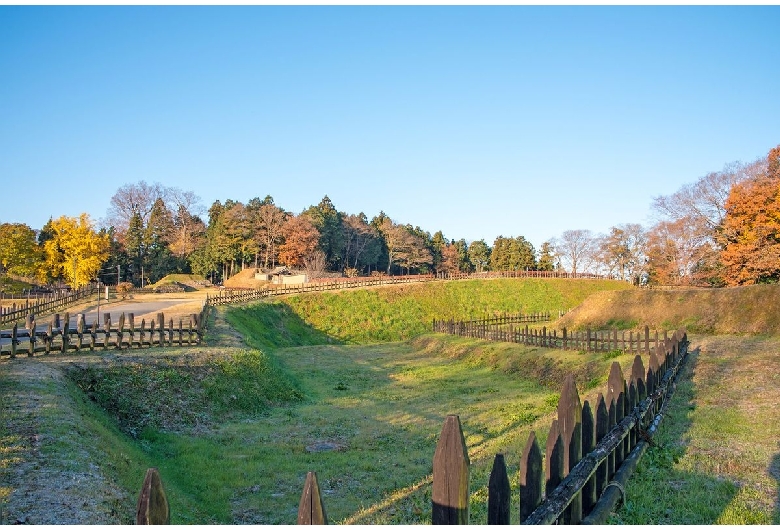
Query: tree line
point(723, 229)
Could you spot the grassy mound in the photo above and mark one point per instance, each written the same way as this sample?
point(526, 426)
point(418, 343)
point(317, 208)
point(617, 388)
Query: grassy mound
point(400, 312)
point(750, 309)
point(245, 280)
point(187, 282)
point(176, 393)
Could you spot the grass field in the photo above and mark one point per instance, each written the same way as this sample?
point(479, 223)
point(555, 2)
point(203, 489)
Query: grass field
point(235, 424)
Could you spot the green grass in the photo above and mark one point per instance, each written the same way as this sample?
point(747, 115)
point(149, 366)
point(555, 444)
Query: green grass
point(394, 313)
point(381, 407)
point(716, 459)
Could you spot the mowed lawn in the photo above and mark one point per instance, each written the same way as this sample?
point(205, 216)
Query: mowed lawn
point(368, 426)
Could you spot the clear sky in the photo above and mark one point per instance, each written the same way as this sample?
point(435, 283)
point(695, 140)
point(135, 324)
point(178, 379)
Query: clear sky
point(477, 121)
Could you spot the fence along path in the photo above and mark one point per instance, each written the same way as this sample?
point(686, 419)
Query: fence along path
point(589, 453)
point(58, 336)
point(502, 329)
point(47, 304)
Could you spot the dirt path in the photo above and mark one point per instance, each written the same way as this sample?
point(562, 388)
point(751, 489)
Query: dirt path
point(47, 474)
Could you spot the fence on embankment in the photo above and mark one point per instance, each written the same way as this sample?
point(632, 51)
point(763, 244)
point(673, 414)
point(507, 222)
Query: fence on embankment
point(590, 453)
point(45, 304)
point(521, 274)
point(502, 329)
point(237, 296)
point(60, 337)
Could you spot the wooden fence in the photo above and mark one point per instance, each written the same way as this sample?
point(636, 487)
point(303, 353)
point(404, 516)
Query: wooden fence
point(502, 329)
point(58, 336)
point(46, 304)
point(236, 296)
point(520, 274)
point(590, 452)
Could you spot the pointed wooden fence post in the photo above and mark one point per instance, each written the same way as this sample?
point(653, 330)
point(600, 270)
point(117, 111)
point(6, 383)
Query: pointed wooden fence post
point(589, 496)
point(311, 510)
point(498, 493)
point(65, 332)
point(554, 465)
point(570, 426)
point(530, 477)
point(152, 505)
point(450, 498)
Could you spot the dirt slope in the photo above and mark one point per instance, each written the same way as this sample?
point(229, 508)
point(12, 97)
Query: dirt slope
point(751, 309)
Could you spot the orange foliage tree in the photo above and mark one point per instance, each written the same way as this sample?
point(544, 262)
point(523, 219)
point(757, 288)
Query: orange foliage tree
point(751, 229)
point(301, 238)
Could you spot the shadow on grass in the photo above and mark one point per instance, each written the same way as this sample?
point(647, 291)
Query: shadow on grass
point(663, 492)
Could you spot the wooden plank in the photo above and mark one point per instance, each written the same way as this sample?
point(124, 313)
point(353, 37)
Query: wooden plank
point(450, 496)
point(498, 493)
point(570, 428)
point(152, 507)
point(311, 510)
point(554, 452)
point(602, 428)
point(530, 477)
point(588, 444)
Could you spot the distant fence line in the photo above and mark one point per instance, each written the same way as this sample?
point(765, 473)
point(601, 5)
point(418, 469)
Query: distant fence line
point(43, 304)
point(502, 329)
point(235, 296)
point(590, 453)
point(58, 336)
point(241, 295)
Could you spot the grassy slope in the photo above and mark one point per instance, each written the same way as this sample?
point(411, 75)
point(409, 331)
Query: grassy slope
point(393, 313)
point(751, 309)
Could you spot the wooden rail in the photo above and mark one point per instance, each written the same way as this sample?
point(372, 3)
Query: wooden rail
point(125, 335)
point(502, 329)
point(48, 304)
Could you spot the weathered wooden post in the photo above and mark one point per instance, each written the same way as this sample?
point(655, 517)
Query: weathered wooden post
point(616, 396)
point(65, 332)
point(498, 493)
point(589, 496)
point(120, 331)
point(14, 332)
point(554, 465)
point(450, 497)
point(152, 507)
point(93, 335)
point(30, 325)
point(161, 324)
point(47, 340)
point(530, 477)
point(106, 330)
point(131, 324)
point(310, 509)
point(79, 331)
point(570, 427)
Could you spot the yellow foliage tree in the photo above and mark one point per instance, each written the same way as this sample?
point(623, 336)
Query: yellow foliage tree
point(76, 252)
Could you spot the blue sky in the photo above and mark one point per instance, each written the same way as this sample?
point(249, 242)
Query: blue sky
point(477, 121)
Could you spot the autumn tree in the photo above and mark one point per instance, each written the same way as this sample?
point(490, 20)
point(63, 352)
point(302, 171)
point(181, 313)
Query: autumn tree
point(464, 263)
point(301, 239)
point(622, 252)
point(449, 259)
point(19, 251)
point(76, 251)
point(671, 252)
point(697, 211)
point(751, 229)
point(267, 221)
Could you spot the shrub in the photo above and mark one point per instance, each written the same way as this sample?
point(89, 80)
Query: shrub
point(123, 289)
